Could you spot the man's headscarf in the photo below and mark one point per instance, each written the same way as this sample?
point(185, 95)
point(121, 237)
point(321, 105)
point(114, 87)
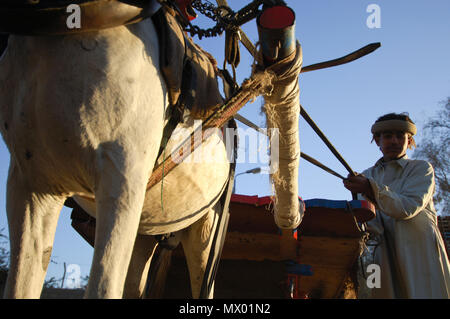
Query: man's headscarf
point(394, 125)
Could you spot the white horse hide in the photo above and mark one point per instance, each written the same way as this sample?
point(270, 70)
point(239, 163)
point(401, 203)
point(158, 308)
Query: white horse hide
point(83, 115)
point(188, 191)
point(67, 99)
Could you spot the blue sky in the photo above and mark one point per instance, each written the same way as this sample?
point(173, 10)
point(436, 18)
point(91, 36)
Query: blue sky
point(409, 73)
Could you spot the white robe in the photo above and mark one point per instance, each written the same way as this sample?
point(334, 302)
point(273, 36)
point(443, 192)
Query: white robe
point(411, 252)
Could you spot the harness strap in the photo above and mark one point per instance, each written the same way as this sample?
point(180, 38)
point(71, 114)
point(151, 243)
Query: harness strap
point(310, 159)
point(175, 119)
point(51, 17)
point(258, 83)
point(3, 43)
point(169, 241)
point(221, 229)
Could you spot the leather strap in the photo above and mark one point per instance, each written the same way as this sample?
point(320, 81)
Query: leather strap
point(47, 17)
point(221, 229)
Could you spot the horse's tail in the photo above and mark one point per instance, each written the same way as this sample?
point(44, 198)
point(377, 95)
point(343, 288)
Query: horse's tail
point(157, 275)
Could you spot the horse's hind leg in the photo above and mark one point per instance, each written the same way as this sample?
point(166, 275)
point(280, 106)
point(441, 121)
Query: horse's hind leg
point(196, 243)
point(120, 190)
point(143, 250)
point(32, 219)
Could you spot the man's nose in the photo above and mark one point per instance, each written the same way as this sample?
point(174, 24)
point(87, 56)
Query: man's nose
point(395, 139)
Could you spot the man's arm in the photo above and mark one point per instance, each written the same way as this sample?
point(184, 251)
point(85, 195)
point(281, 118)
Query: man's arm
point(417, 191)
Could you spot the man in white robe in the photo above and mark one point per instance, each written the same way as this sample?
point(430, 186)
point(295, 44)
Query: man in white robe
point(410, 252)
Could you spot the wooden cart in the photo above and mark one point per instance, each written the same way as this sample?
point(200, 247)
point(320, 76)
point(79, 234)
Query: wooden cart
point(329, 241)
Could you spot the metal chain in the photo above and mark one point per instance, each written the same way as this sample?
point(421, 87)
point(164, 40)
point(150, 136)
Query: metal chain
point(206, 8)
point(217, 14)
point(225, 17)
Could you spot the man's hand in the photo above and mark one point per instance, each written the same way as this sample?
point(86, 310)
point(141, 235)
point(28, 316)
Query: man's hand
point(359, 184)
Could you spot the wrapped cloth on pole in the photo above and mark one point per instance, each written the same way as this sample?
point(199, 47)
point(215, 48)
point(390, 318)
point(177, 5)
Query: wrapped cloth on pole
point(283, 56)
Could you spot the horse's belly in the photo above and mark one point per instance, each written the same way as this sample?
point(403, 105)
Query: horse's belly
point(184, 195)
point(187, 192)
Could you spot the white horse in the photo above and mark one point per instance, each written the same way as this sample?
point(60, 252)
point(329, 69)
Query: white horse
point(83, 117)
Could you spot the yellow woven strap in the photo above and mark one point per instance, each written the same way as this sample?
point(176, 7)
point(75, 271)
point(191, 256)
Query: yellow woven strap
point(95, 15)
point(257, 84)
point(394, 125)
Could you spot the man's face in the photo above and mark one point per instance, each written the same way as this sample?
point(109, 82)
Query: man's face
point(393, 144)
